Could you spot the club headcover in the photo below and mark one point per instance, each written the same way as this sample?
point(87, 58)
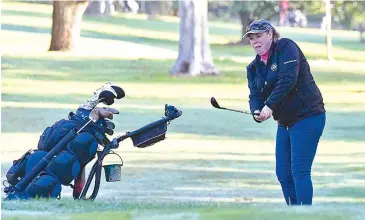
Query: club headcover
point(106, 94)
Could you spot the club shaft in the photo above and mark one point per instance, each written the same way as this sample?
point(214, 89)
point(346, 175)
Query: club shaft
point(234, 110)
point(215, 104)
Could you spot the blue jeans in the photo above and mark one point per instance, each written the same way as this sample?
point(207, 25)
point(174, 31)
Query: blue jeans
point(296, 147)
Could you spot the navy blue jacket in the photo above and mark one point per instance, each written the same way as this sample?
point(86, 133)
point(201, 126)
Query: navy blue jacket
point(285, 84)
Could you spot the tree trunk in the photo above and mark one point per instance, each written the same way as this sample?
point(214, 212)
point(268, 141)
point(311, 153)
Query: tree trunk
point(66, 26)
point(194, 51)
point(361, 31)
point(153, 9)
point(328, 30)
point(245, 22)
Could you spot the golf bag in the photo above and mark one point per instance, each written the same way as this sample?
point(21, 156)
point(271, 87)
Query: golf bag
point(63, 167)
point(66, 147)
point(63, 150)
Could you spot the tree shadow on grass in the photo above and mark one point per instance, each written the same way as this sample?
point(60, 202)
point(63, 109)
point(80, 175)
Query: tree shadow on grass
point(159, 42)
point(8, 12)
point(163, 26)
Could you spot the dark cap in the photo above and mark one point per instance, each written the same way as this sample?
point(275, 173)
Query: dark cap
point(258, 26)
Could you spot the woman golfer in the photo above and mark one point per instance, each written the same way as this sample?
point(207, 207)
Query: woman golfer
point(281, 85)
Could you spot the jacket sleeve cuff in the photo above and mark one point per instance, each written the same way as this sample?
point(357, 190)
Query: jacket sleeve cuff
point(271, 105)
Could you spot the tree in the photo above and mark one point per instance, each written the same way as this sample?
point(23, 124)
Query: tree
point(100, 8)
point(194, 51)
point(361, 29)
point(252, 10)
point(350, 14)
point(156, 8)
point(220, 9)
point(328, 30)
point(66, 26)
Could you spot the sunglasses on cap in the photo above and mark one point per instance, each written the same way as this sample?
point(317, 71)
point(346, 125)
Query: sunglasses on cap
point(259, 26)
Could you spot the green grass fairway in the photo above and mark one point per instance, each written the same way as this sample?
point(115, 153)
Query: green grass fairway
point(214, 164)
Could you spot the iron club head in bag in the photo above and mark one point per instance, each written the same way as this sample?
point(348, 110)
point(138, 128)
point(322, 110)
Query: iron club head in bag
point(215, 104)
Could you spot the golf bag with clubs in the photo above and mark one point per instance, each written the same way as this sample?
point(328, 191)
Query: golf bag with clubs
point(66, 147)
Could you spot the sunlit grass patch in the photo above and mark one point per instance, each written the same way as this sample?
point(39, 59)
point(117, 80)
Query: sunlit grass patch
point(348, 192)
point(318, 51)
point(348, 76)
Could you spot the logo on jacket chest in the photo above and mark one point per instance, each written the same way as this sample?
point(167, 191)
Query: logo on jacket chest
point(274, 67)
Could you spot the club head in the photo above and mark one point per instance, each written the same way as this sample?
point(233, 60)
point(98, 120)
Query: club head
point(214, 102)
point(120, 92)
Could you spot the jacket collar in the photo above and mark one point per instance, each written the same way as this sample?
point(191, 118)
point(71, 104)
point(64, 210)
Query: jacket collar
point(272, 48)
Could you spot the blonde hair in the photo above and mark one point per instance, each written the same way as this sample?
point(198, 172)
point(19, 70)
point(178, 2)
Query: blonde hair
point(275, 34)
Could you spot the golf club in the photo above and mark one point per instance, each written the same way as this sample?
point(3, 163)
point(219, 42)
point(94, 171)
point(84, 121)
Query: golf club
point(215, 104)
